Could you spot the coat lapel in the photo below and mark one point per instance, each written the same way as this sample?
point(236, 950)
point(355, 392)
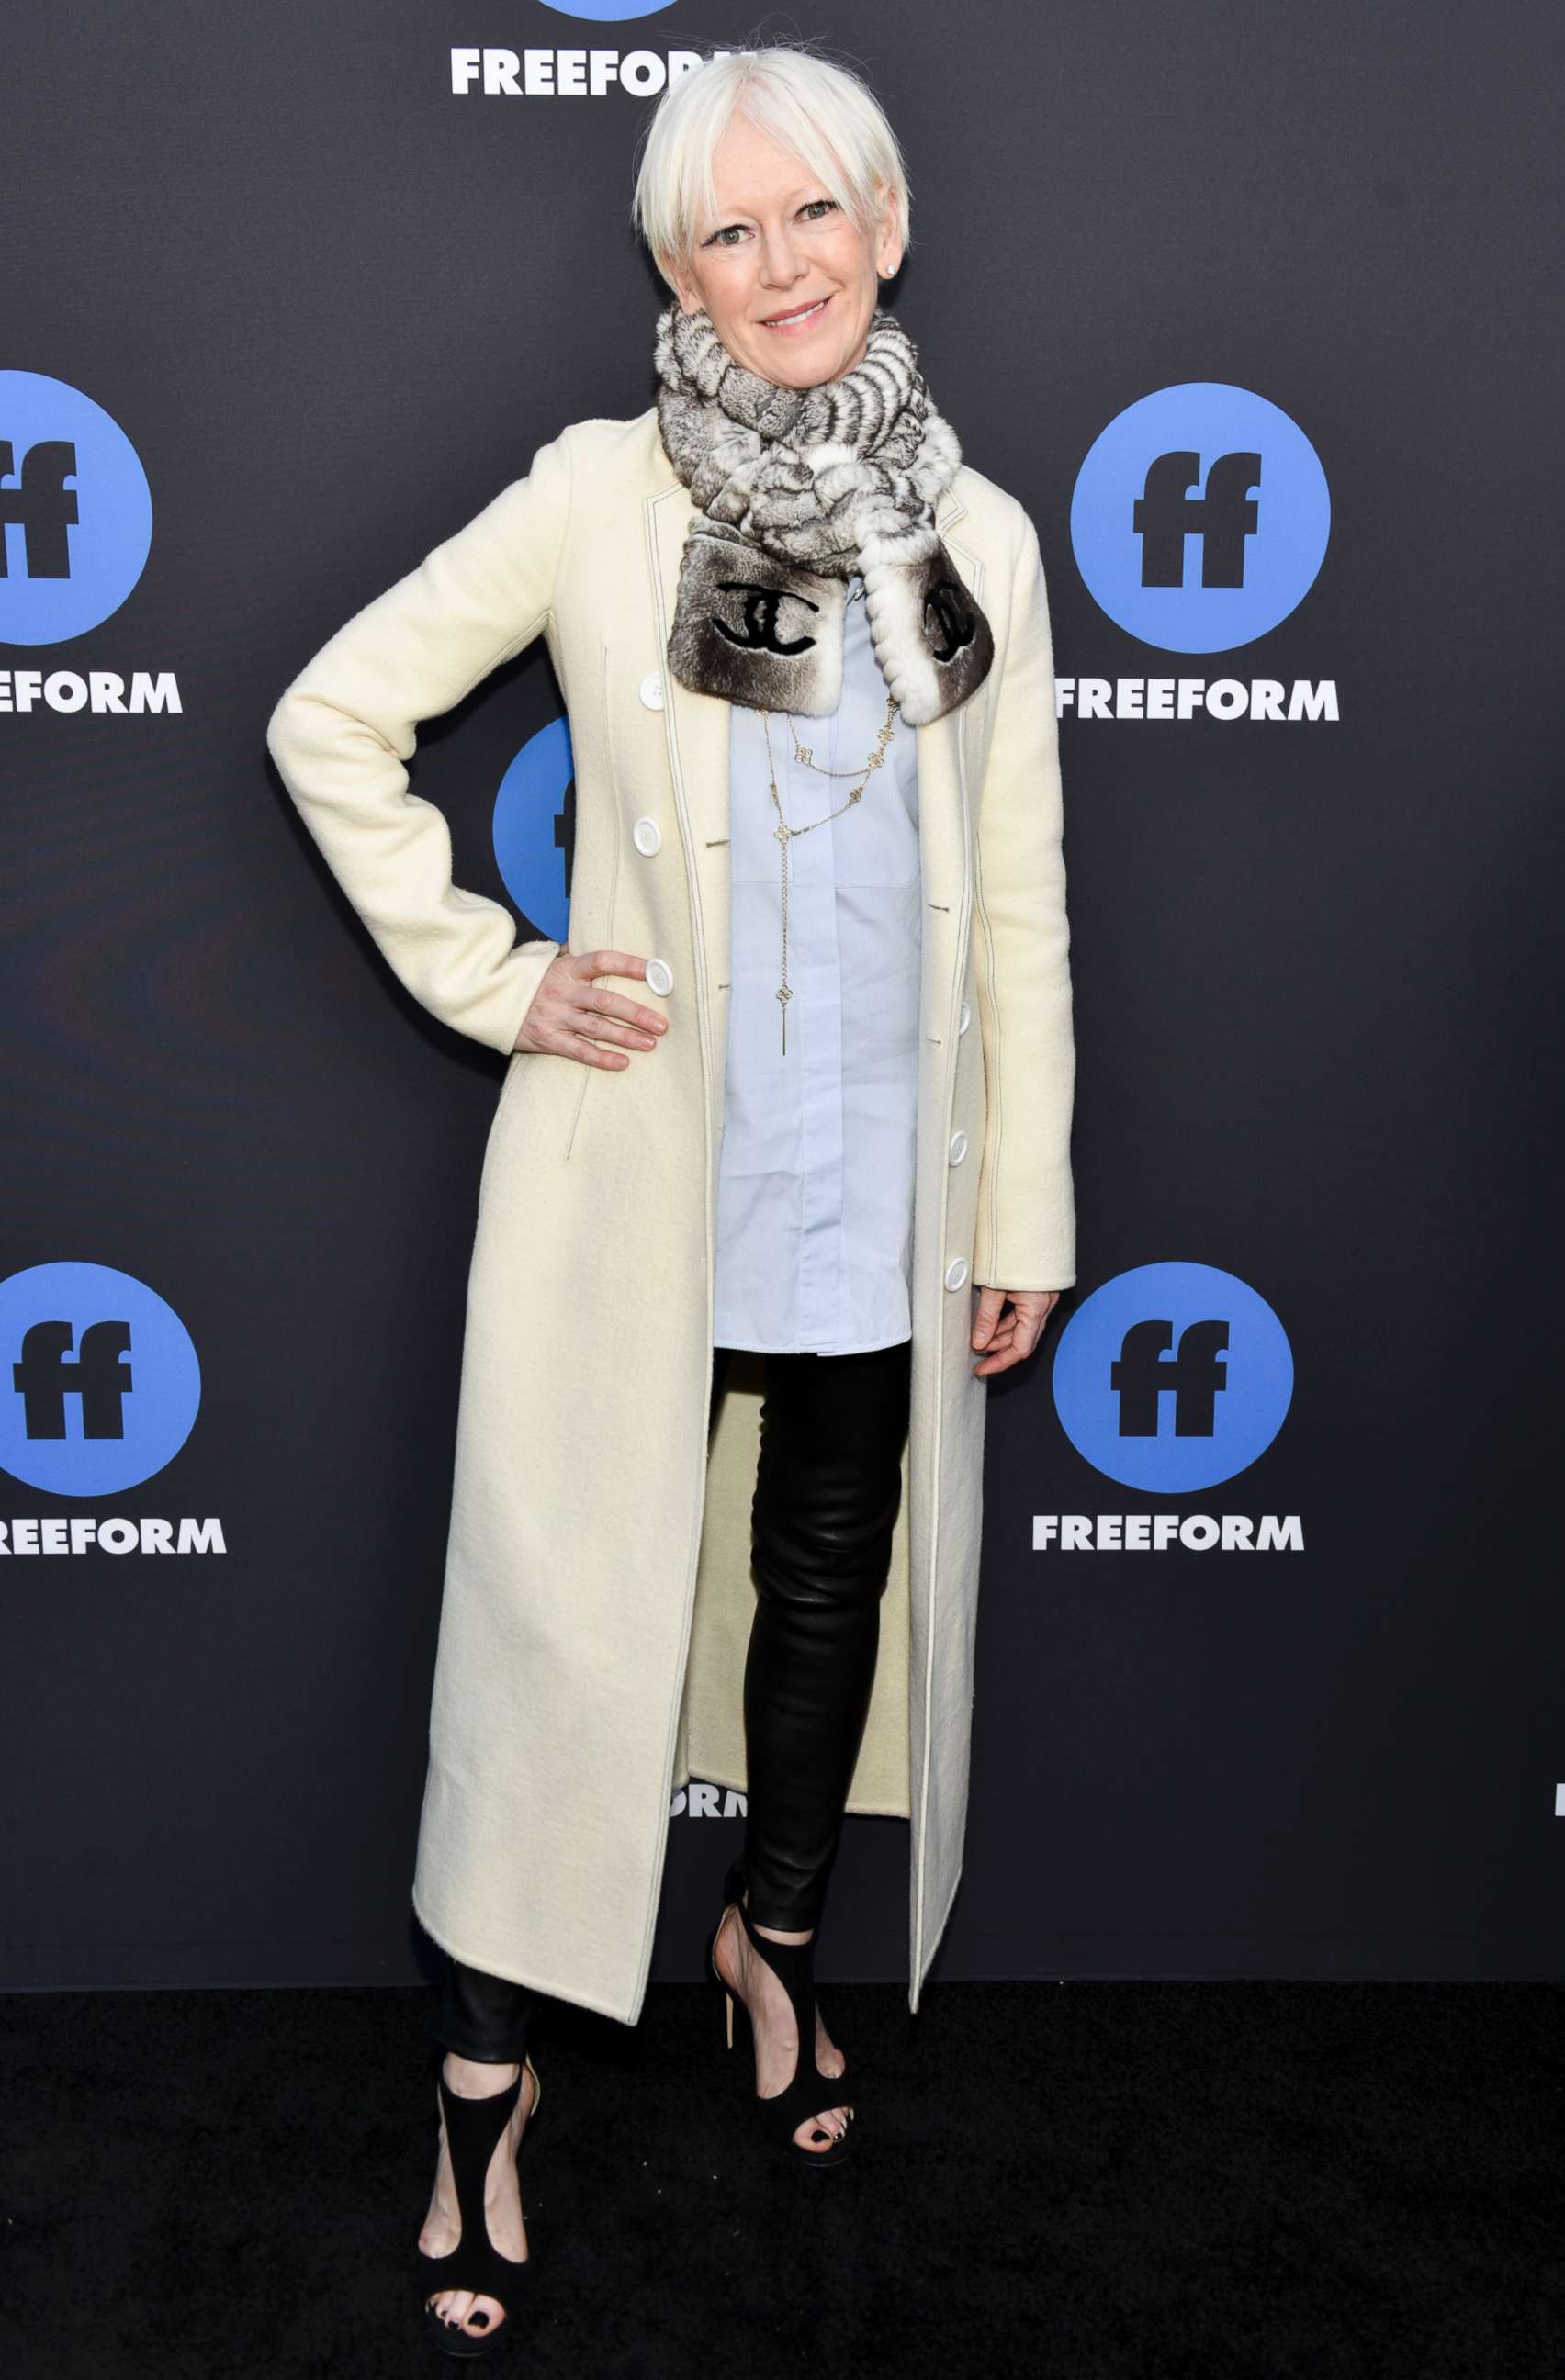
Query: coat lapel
point(697, 730)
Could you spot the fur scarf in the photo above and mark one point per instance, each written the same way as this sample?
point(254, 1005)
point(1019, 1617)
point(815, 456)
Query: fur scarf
point(796, 491)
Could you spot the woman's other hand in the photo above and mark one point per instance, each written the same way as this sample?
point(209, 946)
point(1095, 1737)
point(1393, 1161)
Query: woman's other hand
point(1007, 1342)
point(569, 1015)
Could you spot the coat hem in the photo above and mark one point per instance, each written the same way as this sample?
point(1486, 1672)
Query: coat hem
point(917, 1981)
point(533, 1980)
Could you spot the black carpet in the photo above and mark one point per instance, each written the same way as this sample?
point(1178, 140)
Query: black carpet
point(1185, 2181)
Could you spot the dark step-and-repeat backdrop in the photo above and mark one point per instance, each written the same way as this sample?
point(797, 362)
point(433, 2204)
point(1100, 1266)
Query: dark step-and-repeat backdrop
point(1256, 311)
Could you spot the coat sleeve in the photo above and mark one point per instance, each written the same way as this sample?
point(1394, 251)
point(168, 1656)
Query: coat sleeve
point(1026, 1235)
point(342, 730)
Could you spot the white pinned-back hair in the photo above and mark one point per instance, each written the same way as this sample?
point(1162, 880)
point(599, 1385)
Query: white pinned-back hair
point(821, 112)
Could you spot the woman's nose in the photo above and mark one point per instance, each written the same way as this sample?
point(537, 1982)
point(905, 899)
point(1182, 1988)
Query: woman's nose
point(779, 260)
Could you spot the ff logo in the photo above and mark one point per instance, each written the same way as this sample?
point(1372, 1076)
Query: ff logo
point(529, 830)
point(1200, 517)
point(607, 12)
point(1172, 1377)
point(76, 512)
point(101, 1383)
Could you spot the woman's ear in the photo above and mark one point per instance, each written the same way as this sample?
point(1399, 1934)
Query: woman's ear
point(668, 272)
point(888, 239)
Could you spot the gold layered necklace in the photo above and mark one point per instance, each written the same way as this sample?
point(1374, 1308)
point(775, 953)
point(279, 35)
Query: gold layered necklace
point(784, 833)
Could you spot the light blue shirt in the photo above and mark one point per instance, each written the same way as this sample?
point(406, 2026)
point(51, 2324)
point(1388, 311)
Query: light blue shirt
point(815, 1174)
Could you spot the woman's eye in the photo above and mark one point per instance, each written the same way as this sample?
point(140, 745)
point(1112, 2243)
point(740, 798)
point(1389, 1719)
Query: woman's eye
point(721, 239)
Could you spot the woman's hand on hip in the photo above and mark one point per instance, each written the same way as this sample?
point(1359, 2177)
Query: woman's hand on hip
point(1007, 1342)
point(568, 1014)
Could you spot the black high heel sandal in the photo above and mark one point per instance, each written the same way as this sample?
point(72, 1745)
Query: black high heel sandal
point(473, 2128)
point(793, 1963)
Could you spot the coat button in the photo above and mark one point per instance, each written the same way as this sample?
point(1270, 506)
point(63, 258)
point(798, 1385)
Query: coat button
point(956, 1272)
point(660, 975)
point(959, 1147)
point(647, 835)
point(652, 689)
point(964, 1017)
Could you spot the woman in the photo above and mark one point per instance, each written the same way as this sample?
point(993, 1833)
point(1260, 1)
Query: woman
point(743, 1114)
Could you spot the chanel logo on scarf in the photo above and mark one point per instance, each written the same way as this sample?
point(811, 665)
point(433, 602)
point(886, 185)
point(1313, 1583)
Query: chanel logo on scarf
point(759, 618)
point(796, 492)
point(955, 620)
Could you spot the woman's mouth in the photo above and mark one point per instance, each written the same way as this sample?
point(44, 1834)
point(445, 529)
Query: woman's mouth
point(798, 319)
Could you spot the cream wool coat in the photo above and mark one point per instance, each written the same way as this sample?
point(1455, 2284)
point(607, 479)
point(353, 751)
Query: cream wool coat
point(598, 1592)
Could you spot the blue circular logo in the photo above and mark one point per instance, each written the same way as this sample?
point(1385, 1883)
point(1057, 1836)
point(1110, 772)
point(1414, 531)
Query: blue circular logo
point(1200, 517)
point(76, 512)
point(604, 12)
point(101, 1384)
point(1172, 1377)
point(528, 829)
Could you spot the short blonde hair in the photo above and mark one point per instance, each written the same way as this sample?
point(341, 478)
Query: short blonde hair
point(822, 111)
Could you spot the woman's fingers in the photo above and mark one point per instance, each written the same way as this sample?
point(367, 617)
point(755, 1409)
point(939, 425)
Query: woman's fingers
point(582, 1046)
point(571, 1014)
point(615, 1004)
point(1012, 1340)
point(986, 1315)
point(608, 1027)
point(595, 1006)
point(606, 1016)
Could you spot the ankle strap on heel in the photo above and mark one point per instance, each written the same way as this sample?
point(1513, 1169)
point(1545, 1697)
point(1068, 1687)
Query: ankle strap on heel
point(797, 1958)
point(809, 2090)
point(473, 2127)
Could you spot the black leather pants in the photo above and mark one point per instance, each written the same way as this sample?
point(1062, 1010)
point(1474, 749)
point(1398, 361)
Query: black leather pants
point(827, 1493)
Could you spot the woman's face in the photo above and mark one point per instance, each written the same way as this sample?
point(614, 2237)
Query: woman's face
point(780, 246)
